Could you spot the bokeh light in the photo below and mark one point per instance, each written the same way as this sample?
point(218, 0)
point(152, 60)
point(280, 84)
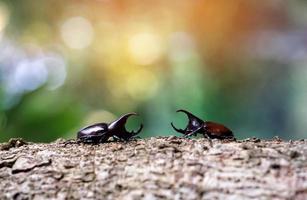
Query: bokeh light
point(77, 32)
point(29, 75)
point(182, 47)
point(145, 48)
point(240, 63)
point(4, 17)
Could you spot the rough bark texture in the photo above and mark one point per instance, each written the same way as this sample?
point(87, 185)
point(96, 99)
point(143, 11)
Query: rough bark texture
point(156, 168)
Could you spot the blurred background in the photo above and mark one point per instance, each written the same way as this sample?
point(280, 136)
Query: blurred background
point(67, 64)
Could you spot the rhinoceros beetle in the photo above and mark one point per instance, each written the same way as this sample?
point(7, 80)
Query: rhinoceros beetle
point(101, 132)
point(211, 130)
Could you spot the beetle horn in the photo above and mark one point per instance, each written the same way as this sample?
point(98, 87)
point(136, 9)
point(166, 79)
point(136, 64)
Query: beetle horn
point(177, 129)
point(120, 123)
point(190, 115)
point(193, 125)
point(136, 132)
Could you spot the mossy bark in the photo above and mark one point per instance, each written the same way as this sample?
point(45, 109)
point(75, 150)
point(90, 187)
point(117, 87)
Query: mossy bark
point(155, 168)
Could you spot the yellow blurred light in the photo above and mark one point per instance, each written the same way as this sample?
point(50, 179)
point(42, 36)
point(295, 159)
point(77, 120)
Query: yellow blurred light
point(142, 84)
point(99, 116)
point(77, 32)
point(4, 17)
point(145, 48)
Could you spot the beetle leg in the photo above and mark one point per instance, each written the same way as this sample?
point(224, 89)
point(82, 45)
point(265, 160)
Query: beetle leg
point(209, 139)
point(116, 138)
point(193, 133)
point(177, 129)
point(134, 138)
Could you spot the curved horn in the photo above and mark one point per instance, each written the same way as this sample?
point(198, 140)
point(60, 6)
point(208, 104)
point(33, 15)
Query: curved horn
point(190, 115)
point(176, 129)
point(120, 122)
point(194, 124)
point(136, 132)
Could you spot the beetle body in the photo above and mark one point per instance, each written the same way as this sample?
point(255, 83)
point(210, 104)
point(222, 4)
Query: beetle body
point(101, 132)
point(209, 129)
point(95, 133)
point(217, 131)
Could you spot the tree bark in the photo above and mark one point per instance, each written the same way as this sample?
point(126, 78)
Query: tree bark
point(155, 168)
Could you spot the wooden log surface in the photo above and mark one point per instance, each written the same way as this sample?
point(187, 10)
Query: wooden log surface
point(155, 168)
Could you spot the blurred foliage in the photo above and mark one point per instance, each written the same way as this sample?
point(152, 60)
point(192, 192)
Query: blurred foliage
point(67, 64)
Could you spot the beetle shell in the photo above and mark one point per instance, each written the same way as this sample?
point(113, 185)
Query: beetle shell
point(94, 133)
point(217, 131)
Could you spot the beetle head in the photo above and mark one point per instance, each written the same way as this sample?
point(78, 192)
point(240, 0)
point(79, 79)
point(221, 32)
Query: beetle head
point(118, 126)
point(193, 125)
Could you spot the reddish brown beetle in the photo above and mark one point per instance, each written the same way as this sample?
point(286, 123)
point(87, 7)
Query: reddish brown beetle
point(210, 130)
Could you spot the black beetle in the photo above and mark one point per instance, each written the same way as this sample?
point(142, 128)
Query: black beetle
point(211, 130)
point(101, 132)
